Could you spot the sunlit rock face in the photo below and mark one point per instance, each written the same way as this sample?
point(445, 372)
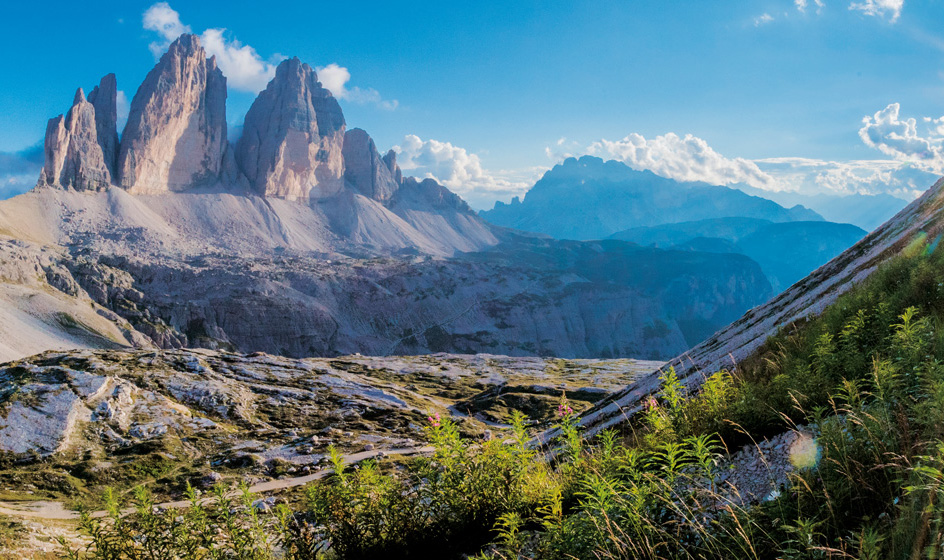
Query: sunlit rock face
point(175, 139)
point(364, 169)
point(293, 137)
point(80, 148)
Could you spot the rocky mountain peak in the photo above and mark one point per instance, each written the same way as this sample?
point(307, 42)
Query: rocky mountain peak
point(293, 137)
point(80, 147)
point(175, 138)
point(104, 97)
point(390, 160)
point(364, 169)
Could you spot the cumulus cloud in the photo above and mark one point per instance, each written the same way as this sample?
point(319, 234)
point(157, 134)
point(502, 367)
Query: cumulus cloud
point(243, 67)
point(887, 132)
point(123, 107)
point(334, 78)
point(683, 158)
point(165, 21)
point(462, 172)
point(763, 19)
point(880, 8)
point(815, 176)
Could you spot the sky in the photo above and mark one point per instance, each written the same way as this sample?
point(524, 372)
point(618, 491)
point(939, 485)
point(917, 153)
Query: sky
point(816, 96)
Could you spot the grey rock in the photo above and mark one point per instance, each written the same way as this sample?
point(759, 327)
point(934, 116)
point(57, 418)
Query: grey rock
point(364, 170)
point(79, 148)
point(293, 136)
point(175, 139)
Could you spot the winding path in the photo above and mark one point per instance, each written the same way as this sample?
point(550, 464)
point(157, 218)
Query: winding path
point(57, 511)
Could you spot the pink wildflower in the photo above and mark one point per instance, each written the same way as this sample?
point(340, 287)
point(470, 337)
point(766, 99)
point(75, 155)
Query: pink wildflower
point(435, 420)
point(564, 409)
point(651, 403)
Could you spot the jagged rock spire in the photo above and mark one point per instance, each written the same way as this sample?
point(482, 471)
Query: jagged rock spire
point(293, 137)
point(364, 169)
point(390, 160)
point(104, 97)
point(81, 147)
point(175, 138)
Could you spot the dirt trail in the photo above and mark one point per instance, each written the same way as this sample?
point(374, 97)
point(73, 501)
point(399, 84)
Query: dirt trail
point(56, 510)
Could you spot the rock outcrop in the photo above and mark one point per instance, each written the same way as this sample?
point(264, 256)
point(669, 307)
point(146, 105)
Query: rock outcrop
point(390, 160)
point(80, 148)
point(175, 138)
point(293, 137)
point(104, 98)
point(364, 169)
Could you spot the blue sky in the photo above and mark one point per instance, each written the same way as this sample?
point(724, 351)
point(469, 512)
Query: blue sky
point(486, 95)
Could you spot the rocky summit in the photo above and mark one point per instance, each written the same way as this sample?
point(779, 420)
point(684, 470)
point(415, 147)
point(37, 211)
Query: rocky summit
point(293, 137)
point(175, 138)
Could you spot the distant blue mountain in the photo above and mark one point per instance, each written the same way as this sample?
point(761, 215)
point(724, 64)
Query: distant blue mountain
point(589, 198)
point(786, 252)
point(868, 211)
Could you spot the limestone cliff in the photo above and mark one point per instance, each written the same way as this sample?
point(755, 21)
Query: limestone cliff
point(175, 138)
point(364, 169)
point(293, 137)
point(80, 147)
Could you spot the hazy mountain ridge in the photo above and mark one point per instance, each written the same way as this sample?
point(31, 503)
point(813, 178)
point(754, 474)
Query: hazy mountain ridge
point(786, 251)
point(589, 198)
point(868, 211)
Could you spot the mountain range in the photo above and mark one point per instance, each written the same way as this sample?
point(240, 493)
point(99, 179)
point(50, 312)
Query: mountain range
point(785, 251)
point(302, 239)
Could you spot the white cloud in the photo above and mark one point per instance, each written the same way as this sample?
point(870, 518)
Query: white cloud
point(801, 5)
point(687, 158)
point(165, 21)
point(461, 172)
point(763, 19)
point(816, 176)
point(880, 8)
point(887, 132)
point(334, 78)
point(244, 69)
point(123, 108)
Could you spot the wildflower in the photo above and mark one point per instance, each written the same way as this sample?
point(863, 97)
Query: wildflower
point(651, 403)
point(563, 409)
point(435, 420)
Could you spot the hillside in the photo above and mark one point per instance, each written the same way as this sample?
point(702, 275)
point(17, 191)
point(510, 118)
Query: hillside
point(920, 222)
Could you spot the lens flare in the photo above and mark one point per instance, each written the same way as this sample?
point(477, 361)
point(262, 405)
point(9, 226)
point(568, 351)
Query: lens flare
point(804, 452)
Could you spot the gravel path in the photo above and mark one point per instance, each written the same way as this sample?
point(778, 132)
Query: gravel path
point(56, 510)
